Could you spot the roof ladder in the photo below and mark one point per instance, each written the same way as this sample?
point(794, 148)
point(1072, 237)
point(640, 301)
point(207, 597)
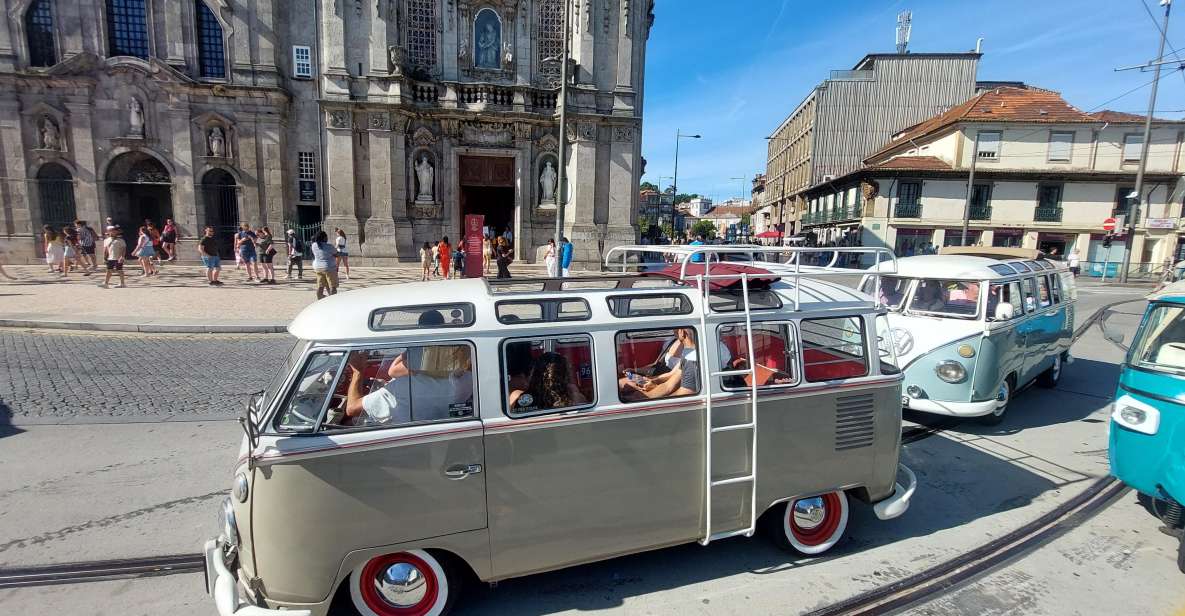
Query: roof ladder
point(710, 481)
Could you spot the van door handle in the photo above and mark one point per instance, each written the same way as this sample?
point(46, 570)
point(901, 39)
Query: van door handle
point(461, 471)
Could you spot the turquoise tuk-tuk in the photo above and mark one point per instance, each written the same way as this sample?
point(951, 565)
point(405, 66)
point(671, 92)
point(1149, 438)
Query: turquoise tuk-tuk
point(1147, 440)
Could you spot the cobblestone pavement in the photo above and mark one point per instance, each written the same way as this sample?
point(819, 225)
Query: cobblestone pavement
point(50, 378)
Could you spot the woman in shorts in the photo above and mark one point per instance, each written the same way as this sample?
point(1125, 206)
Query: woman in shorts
point(168, 239)
point(267, 252)
point(145, 252)
point(343, 255)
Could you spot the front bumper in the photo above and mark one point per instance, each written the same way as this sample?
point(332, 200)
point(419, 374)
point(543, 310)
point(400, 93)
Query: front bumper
point(898, 503)
point(953, 409)
point(223, 586)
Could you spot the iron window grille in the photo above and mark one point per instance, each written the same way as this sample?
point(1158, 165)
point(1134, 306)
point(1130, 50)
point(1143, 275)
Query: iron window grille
point(127, 28)
point(421, 33)
point(306, 166)
point(211, 50)
point(549, 32)
point(39, 34)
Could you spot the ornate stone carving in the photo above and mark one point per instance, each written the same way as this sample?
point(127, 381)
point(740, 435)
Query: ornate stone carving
point(586, 131)
point(51, 137)
point(548, 143)
point(399, 122)
point(451, 127)
point(424, 210)
point(423, 137)
point(607, 15)
point(623, 133)
point(486, 133)
point(135, 118)
point(507, 53)
point(547, 181)
point(588, 15)
point(380, 120)
point(627, 18)
point(216, 142)
point(339, 118)
point(523, 131)
point(424, 176)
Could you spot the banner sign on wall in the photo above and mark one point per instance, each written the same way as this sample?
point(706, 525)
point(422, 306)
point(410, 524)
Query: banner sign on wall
point(474, 223)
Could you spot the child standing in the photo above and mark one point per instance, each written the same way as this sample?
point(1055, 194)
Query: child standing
point(426, 260)
point(113, 253)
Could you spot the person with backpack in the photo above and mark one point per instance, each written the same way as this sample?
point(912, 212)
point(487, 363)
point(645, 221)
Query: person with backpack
point(324, 265)
point(245, 248)
point(295, 255)
point(566, 250)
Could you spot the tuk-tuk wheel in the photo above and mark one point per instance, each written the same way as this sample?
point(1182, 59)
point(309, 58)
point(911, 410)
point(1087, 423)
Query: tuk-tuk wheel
point(811, 525)
point(1003, 397)
point(411, 583)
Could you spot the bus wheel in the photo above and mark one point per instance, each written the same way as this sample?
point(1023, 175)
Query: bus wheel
point(1003, 397)
point(411, 583)
point(1050, 377)
point(812, 525)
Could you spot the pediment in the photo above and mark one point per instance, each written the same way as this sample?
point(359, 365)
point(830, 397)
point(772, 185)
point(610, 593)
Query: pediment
point(212, 118)
point(80, 64)
point(42, 108)
point(151, 68)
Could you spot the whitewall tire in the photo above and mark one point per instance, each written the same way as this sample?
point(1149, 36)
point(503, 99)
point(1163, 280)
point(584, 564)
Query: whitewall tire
point(814, 524)
point(411, 583)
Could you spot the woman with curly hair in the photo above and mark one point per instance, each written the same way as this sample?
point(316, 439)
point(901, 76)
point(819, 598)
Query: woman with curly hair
point(550, 386)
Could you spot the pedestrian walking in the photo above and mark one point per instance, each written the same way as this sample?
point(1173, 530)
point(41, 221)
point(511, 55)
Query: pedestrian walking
point(55, 249)
point(343, 254)
point(208, 251)
point(446, 256)
point(487, 249)
point(114, 251)
point(551, 259)
point(1074, 262)
point(505, 256)
point(426, 261)
point(245, 248)
point(70, 250)
point(435, 260)
point(459, 261)
point(566, 250)
point(266, 245)
point(155, 236)
point(295, 254)
point(144, 252)
point(168, 239)
point(324, 265)
point(87, 240)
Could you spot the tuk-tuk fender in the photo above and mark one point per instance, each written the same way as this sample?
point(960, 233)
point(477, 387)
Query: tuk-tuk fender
point(1153, 464)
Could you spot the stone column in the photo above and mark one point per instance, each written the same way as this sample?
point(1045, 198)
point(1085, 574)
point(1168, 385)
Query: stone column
point(240, 46)
point(622, 178)
point(82, 150)
point(988, 236)
point(174, 26)
point(15, 195)
point(582, 179)
point(7, 45)
point(388, 233)
point(339, 172)
point(183, 194)
point(333, 37)
point(265, 58)
point(250, 210)
point(271, 175)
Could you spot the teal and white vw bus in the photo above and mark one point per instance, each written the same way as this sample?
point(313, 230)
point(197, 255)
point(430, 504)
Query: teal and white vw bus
point(972, 326)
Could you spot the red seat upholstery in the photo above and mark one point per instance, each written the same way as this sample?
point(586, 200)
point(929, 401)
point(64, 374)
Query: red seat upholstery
point(820, 365)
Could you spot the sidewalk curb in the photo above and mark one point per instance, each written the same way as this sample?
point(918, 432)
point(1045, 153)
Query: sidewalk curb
point(149, 327)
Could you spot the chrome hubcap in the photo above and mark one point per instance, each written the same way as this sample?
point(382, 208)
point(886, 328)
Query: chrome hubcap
point(402, 585)
point(809, 513)
point(1002, 398)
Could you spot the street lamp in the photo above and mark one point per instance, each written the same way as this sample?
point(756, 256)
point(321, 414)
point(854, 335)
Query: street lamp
point(679, 136)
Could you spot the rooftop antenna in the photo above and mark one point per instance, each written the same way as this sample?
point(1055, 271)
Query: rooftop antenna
point(904, 21)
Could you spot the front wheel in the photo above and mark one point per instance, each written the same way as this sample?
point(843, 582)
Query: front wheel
point(1003, 397)
point(811, 525)
point(411, 583)
point(1049, 379)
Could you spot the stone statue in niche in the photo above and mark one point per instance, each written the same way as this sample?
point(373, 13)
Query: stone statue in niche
point(51, 139)
point(547, 180)
point(217, 142)
point(424, 174)
point(135, 118)
point(487, 40)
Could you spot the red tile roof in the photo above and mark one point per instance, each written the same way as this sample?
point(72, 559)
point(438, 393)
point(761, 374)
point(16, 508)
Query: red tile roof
point(913, 163)
point(1118, 117)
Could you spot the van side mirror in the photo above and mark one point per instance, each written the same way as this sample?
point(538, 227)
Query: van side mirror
point(1004, 311)
point(1114, 336)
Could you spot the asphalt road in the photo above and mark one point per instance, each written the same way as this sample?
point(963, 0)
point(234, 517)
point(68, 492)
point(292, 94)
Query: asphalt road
point(129, 488)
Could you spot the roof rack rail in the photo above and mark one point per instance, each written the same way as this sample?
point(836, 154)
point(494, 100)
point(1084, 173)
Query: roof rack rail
point(502, 286)
point(827, 260)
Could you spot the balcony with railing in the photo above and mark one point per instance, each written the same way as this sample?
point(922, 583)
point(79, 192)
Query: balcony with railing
point(1047, 214)
point(483, 96)
point(907, 210)
point(981, 212)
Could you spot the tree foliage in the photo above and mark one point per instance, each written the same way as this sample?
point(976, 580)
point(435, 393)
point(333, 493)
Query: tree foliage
point(648, 186)
point(684, 197)
point(703, 227)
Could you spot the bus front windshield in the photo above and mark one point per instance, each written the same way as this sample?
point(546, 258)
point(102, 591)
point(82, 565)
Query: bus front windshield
point(892, 291)
point(948, 298)
point(1160, 346)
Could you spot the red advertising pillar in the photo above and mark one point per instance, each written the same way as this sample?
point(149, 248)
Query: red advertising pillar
point(474, 223)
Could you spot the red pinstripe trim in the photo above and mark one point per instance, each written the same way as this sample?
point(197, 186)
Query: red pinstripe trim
point(382, 441)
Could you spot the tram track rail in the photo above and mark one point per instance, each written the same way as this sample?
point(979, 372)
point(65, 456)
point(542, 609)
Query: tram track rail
point(926, 584)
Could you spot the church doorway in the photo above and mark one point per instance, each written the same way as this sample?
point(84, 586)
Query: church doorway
point(138, 188)
point(487, 188)
point(221, 208)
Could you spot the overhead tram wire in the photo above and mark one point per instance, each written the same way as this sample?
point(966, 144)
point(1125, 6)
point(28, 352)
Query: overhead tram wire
point(1160, 30)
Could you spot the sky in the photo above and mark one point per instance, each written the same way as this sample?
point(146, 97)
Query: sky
point(733, 71)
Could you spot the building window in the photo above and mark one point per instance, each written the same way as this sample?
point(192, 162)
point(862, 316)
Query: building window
point(306, 166)
point(981, 202)
point(211, 53)
point(909, 195)
point(127, 28)
point(549, 32)
point(989, 145)
point(302, 62)
point(1061, 146)
point(39, 33)
point(1133, 144)
point(421, 33)
point(1049, 203)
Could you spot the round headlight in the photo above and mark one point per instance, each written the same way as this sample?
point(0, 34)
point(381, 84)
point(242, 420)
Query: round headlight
point(914, 391)
point(951, 371)
point(230, 528)
point(239, 490)
point(902, 340)
point(966, 350)
point(1133, 416)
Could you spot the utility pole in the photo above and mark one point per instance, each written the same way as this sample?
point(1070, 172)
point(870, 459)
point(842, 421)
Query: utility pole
point(970, 189)
point(561, 175)
point(1137, 196)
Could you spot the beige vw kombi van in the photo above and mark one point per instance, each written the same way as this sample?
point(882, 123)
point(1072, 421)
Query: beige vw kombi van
point(423, 434)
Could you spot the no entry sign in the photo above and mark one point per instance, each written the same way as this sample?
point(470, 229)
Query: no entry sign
point(1109, 225)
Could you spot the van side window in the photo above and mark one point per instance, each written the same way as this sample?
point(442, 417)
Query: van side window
point(303, 407)
point(1044, 296)
point(833, 348)
point(657, 363)
point(548, 374)
point(774, 351)
point(393, 386)
point(1055, 288)
point(1029, 286)
point(1004, 293)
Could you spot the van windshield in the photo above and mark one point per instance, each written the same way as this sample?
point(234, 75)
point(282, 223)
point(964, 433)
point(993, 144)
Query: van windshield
point(948, 298)
point(1160, 346)
point(892, 292)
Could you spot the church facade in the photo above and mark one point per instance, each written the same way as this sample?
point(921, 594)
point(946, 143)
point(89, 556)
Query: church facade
point(388, 119)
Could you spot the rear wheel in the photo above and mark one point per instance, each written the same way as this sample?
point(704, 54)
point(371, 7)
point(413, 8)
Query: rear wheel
point(811, 525)
point(411, 583)
point(1003, 397)
point(1050, 377)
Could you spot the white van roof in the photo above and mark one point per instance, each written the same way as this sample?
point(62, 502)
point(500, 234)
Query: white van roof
point(965, 267)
